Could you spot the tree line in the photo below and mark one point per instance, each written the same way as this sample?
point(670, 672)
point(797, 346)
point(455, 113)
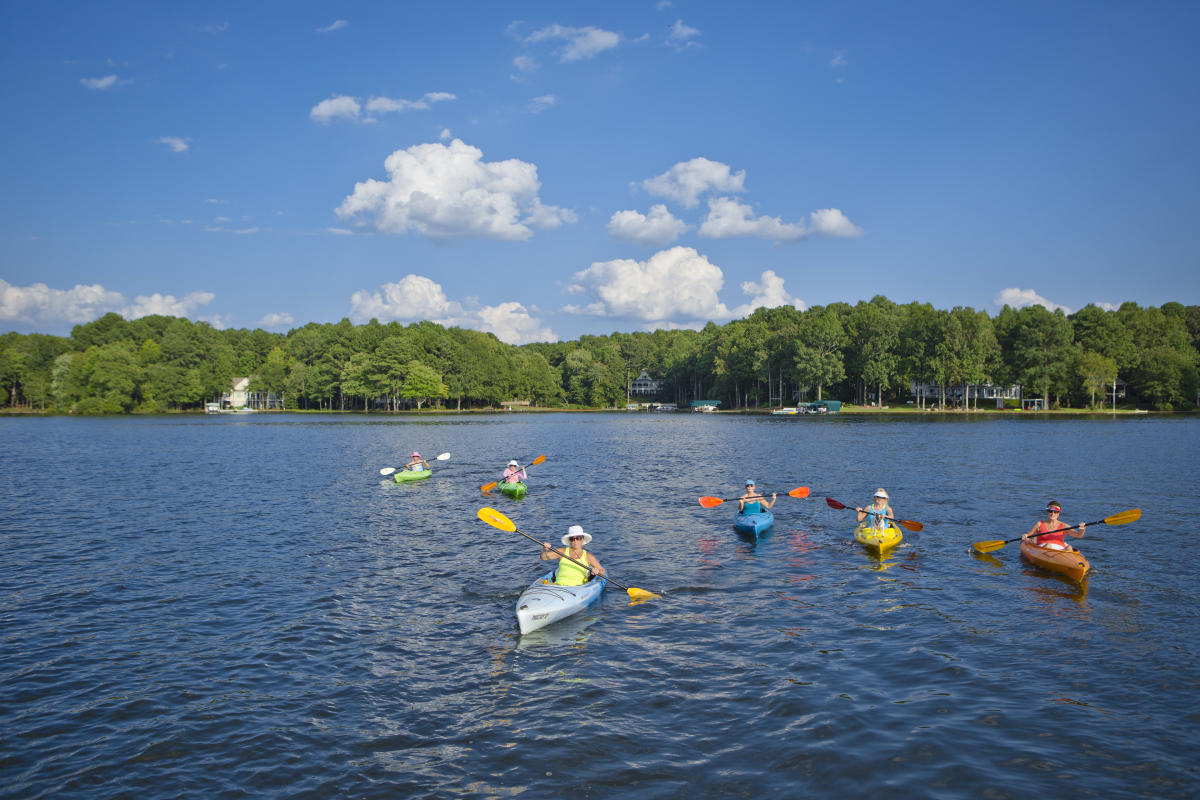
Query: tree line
point(874, 351)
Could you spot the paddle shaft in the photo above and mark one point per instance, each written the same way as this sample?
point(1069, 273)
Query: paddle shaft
point(568, 558)
point(1060, 530)
point(908, 524)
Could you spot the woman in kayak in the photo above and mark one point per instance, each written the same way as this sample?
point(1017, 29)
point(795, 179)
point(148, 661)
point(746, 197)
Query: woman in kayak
point(1049, 532)
point(751, 502)
point(416, 463)
point(878, 511)
point(514, 474)
point(569, 573)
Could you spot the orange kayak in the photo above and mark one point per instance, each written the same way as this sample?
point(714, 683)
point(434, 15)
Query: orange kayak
point(1065, 562)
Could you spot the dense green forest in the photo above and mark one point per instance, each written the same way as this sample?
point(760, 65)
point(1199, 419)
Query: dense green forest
point(871, 351)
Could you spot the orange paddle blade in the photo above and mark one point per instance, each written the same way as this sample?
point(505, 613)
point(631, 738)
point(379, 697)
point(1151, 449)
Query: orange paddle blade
point(801, 492)
point(537, 460)
point(711, 502)
point(911, 524)
point(487, 487)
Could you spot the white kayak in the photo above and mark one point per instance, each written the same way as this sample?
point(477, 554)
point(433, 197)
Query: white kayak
point(545, 601)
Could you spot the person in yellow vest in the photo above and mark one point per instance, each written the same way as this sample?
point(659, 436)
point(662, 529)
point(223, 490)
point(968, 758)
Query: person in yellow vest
point(569, 573)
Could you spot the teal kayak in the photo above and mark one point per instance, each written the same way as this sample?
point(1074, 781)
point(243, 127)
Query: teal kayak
point(753, 524)
point(406, 475)
point(514, 490)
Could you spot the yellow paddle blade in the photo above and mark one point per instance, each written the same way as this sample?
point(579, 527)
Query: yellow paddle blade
point(494, 518)
point(641, 595)
point(1123, 517)
point(801, 492)
point(487, 487)
point(989, 546)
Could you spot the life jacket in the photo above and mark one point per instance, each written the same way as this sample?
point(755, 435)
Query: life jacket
point(571, 574)
point(1046, 537)
point(877, 520)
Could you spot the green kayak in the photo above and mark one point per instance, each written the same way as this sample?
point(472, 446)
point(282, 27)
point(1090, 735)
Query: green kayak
point(514, 490)
point(406, 475)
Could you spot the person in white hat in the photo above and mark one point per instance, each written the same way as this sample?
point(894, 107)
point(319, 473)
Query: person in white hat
point(417, 463)
point(569, 573)
point(514, 474)
point(879, 510)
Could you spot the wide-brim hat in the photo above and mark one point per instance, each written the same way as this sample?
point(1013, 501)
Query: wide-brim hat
point(576, 530)
point(416, 454)
point(513, 464)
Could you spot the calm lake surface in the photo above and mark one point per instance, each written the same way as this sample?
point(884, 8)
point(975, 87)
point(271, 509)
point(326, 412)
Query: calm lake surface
point(239, 606)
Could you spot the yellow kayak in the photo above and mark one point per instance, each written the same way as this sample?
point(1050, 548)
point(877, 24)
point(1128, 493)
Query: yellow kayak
point(878, 541)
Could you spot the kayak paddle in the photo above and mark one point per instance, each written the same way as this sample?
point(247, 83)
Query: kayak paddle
point(390, 470)
point(497, 520)
point(713, 502)
point(908, 524)
point(1120, 518)
point(487, 487)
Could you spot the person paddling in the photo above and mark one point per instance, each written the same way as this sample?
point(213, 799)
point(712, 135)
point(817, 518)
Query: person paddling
point(569, 573)
point(513, 473)
point(1049, 532)
point(879, 509)
point(417, 463)
point(751, 502)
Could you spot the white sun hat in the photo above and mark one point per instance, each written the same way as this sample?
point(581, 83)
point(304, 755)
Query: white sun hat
point(881, 493)
point(513, 463)
point(576, 530)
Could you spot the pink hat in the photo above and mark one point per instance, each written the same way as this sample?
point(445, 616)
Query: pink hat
point(416, 454)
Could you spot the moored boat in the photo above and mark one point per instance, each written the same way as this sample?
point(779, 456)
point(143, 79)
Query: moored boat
point(1065, 562)
point(514, 490)
point(406, 475)
point(544, 601)
point(878, 541)
point(755, 524)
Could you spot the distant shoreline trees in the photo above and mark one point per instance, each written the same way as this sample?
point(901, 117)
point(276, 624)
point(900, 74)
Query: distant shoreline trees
point(873, 351)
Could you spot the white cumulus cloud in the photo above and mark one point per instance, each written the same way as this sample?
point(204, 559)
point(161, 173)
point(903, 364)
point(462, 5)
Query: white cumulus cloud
point(728, 217)
point(40, 304)
point(275, 320)
point(674, 288)
point(106, 82)
point(687, 180)
point(541, 103)
point(655, 229)
point(448, 192)
point(579, 43)
point(1019, 298)
point(336, 25)
point(339, 106)
point(387, 104)
point(416, 297)
point(177, 144)
point(681, 36)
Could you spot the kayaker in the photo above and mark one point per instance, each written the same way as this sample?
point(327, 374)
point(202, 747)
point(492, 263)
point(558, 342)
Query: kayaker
point(1049, 532)
point(416, 463)
point(569, 573)
point(513, 473)
point(751, 502)
point(878, 511)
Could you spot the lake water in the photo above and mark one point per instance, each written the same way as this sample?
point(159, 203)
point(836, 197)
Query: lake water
point(241, 607)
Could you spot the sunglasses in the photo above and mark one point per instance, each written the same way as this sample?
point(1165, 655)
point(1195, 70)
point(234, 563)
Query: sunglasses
point(573, 538)
point(1053, 510)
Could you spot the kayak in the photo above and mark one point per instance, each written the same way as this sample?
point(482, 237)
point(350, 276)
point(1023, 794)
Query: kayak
point(545, 601)
point(514, 490)
point(878, 541)
point(1065, 562)
point(406, 475)
point(755, 524)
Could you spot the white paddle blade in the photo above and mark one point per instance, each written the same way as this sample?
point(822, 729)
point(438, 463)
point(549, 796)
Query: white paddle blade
point(387, 470)
point(443, 457)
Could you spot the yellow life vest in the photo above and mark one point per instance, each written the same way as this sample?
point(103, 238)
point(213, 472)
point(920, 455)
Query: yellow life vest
point(571, 574)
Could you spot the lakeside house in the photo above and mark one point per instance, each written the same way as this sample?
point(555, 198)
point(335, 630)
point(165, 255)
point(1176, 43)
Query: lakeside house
point(240, 396)
point(988, 392)
point(645, 386)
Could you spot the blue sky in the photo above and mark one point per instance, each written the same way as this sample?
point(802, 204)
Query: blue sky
point(546, 170)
